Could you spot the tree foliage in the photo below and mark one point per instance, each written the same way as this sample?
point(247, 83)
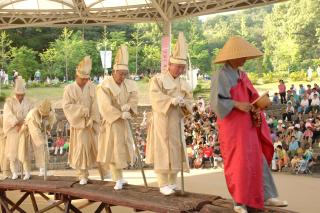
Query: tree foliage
point(288, 34)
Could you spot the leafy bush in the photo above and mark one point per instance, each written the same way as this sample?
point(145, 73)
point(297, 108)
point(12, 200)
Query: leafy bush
point(3, 97)
point(254, 77)
point(275, 76)
point(298, 76)
point(6, 86)
point(198, 89)
point(42, 85)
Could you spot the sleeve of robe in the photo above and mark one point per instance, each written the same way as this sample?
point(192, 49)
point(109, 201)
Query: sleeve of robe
point(133, 97)
point(188, 97)
point(35, 132)
point(73, 111)
point(220, 97)
point(160, 102)
point(52, 119)
point(9, 119)
point(94, 111)
point(107, 111)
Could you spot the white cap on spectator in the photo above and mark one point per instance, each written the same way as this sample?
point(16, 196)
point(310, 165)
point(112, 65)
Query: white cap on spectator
point(297, 126)
point(280, 121)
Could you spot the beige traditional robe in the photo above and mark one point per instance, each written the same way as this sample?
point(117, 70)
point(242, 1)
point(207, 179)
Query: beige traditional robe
point(34, 129)
point(163, 141)
point(13, 113)
point(115, 139)
point(4, 163)
point(75, 99)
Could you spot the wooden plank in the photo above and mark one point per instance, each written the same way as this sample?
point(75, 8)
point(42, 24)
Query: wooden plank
point(132, 196)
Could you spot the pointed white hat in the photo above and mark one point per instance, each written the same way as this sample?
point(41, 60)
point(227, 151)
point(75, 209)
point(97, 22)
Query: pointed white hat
point(20, 86)
point(122, 58)
point(180, 51)
point(84, 67)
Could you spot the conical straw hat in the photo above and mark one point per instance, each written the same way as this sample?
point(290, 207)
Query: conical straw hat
point(180, 51)
point(122, 58)
point(84, 67)
point(236, 47)
point(20, 86)
point(45, 107)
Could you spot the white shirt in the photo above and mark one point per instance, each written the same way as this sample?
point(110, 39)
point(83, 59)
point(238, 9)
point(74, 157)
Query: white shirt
point(315, 102)
point(291, 109)
point(312, 93)
point(304, 102)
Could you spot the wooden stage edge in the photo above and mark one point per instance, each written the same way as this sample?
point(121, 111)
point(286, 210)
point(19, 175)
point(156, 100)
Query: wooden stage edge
point(66, 189)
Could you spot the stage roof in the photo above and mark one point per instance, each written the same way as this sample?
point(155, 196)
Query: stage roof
point(50, 13)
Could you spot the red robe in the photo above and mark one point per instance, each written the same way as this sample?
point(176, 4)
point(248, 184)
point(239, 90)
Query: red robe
point(242, 148)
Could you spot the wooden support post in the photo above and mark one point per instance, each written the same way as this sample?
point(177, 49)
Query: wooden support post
point(67, 204)
point(51, 206)
point(100, 208)
point(3, 204)
point(107, 207)
point(48, 199)
point(20, 201)
point(10, 202)
point(34, 202)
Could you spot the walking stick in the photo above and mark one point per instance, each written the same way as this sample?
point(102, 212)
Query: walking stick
point(95, 153)
point(45, 150)
point(182, 154)
point(139, 157)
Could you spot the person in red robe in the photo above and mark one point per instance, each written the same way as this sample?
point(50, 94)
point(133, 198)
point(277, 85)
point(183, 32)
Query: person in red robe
point(244, 135)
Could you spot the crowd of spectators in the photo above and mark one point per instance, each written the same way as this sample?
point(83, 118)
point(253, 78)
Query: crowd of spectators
point(296, 129)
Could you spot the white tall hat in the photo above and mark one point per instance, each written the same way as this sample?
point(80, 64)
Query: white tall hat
point(45, 107)
point(84, 67)
point(20, 86)
point(180, 51)
point(122, 58)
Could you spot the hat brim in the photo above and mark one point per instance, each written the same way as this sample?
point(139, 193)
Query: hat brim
point(222, 61)
point(120, 67)
point(178, 61)
point(82, 75)
point(19, 93)
point(44, 113)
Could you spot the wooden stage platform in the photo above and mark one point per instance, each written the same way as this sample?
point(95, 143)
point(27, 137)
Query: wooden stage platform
point(67, 189)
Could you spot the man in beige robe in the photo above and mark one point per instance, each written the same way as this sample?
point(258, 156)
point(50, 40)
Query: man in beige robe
point(15, 111)
point(4, 163)
point(34, 126)
point(81, 110)
point(170, 96)
point(117, 100)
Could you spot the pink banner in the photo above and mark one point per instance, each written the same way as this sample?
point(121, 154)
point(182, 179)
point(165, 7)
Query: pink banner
point(165, 52)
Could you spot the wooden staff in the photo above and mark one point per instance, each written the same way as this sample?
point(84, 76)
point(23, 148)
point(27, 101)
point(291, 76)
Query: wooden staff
point(45, 150)
point(139, 157)
point(182, 154)
point(185, 113)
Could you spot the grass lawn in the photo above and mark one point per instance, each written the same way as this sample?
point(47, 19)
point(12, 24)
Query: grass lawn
point(203, 90)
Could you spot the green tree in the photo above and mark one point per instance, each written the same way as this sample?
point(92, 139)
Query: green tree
point(5, 46)
point(24, 61)
point(48, 60)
